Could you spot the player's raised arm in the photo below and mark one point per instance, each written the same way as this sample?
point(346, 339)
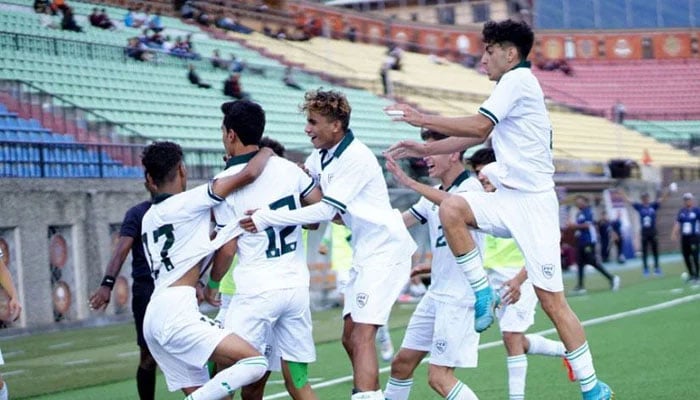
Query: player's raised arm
point(434, 195)
point(222, 187)
point(409, 148)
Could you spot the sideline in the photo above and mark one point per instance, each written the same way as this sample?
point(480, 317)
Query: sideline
point(594, 321)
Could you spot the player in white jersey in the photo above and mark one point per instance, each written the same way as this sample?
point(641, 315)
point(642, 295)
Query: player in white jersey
point(439, 324)
point(527, 208)
point(504, 264)
point(175, 235)
point(13, 308)
point(271, 309)
point(353, 186)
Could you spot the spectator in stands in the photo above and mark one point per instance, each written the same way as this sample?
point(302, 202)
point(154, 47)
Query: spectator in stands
point(195, 79)
point(232, 87)
point(203, 18)
point(140, 18)
point(231, 24)
point(68, 23)
point(137, 50)
point(49, 20)
point(189, 45)
point(236, 64)
point(351, 34)
point(217, 61)
point(40, 6)
point(619, 111)
point(182, 50)
point(101, 19)
point(267, 31)
point(289, 79)
point(58, 5)
point(394, 56)
point(155, 23)
point(187, 10)
point(129, 18)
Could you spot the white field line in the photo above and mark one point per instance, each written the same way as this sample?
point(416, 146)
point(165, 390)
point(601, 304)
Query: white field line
point(15, 372)
point(78, 362)
point(594, 321)
point(129, 354)
point(60, 345)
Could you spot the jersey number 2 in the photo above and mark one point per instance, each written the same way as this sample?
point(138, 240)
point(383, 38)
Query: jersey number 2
point(284, 247)
point(167, 231)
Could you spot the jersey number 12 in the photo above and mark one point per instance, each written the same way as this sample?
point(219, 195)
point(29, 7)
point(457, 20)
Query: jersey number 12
point(273, 250)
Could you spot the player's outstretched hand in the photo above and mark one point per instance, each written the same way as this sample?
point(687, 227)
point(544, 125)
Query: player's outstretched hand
point(397, 171)
point(100, 298)
point(405, 113)
point(406, 148)
point(510, 292)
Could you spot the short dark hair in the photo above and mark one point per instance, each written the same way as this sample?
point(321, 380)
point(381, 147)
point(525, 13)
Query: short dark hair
point(482, 157)
point(274, 145)
point(246, 118)
point(160, 161)
point(427, 134)
point(330, 103)
point(517, 33)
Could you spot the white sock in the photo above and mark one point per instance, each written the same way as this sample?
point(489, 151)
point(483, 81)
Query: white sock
point(543, 346)
point(473, 269)
point(375, 395)
point(582, 363)
point(398, 389)
point(245, 371)
point(517, 372)
point(3, 392)
point(461, 392)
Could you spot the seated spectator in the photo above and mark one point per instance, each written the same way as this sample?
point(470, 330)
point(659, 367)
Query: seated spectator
point(194, 78)
point(100, 19)
point(395, 54)
point(289, 79)
point(129, 18)
point(155, 23)
point(137, 50)
point(187, 10)
point(217, 61)
point(267, 31)
point(232, 87)
point(40, 6)
point(182, 50)
point(351, 35)
point(231, 24)
point(68, 22)
point(58, 5)
point(49, 19)
point(236, 64)
point(203, 18)
point(140, 18)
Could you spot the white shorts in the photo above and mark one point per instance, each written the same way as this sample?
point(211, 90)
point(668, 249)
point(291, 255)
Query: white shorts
point(276, 322)
point(532, 219)
point(341, 280)
point(372, 290)
point(180, 338)
point(520, 316)
point(446, 331)
point(223, 309)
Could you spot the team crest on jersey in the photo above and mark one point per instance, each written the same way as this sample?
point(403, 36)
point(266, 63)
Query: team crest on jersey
point(268, 350)
point(362, 299)
point(441, 345)
point(548, 271)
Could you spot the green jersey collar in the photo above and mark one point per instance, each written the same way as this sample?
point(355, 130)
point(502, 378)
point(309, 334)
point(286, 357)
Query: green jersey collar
point(242, 159)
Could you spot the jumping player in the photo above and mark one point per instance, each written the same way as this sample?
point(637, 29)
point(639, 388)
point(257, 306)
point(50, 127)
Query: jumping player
point(527, 209)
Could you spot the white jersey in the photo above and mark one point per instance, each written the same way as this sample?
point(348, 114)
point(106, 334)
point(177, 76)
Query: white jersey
point(175, 233)
point(352, 182)
point(275, 257)
point(522, 133)
point(448, 283)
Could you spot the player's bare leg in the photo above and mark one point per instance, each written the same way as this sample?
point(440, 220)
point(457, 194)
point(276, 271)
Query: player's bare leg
point(442, 380)
point(359, 342)
point(255, 390)
point(456, 216)
point(403, 365)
